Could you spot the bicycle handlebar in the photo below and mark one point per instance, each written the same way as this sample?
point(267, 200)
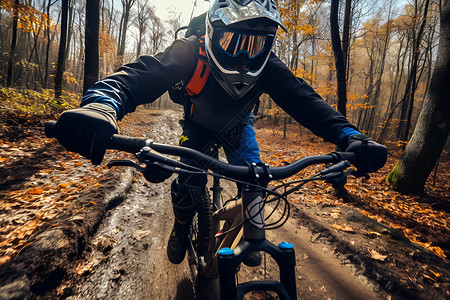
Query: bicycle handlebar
point(135, 145)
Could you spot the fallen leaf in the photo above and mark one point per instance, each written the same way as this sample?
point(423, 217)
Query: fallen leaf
point(429, 277)
point(344, 227)
point(435, 274)
point(438, 251)
point(372, 234)
point(35, 191)
point(63, 185)
point(377, 256)
point(335, 215)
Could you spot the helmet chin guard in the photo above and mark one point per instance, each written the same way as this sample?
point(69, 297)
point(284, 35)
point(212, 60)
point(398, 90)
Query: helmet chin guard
point(239, 39)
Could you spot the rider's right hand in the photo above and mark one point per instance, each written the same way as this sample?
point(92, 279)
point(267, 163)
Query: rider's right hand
point(87, 130)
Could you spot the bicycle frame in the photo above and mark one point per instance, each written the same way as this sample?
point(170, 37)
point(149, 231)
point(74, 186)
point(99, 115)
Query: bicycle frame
point(238, 244)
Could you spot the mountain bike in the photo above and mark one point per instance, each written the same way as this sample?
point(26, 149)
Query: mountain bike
point(223, 234)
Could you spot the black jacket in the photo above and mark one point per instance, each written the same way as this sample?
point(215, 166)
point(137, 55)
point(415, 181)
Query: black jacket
point(146, 79)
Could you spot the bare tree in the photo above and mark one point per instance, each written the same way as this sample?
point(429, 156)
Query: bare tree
point(91, 61)
point(12, 52)
point(126, 8)
point(49, 40)
point(60, 65)
point(174, 23)
point(144, 12)
point(157, 34)
point(338, 57)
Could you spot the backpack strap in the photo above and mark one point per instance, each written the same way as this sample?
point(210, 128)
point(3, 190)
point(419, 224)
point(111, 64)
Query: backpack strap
point(201, 74)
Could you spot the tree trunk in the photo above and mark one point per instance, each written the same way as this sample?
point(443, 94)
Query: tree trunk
point(70, 21)
point(411, 85)
point(62, 50)
point(346, 35)
point(91, 61)
point(126, 4)
point(377, 88)
point(338, 57)
point(431, 133)
point(12, 52)
point(1, 34)
point(47, 51)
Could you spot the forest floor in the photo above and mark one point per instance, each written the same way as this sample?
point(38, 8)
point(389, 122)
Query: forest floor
point(40, 181)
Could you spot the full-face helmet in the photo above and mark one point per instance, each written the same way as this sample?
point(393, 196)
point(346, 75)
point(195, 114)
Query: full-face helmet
point(239, 38)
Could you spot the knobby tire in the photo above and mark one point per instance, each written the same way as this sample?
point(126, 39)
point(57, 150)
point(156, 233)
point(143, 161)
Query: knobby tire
point(200, 235)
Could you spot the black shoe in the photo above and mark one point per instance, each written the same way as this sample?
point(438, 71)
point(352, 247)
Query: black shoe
point(253, 259)
point(178, 242)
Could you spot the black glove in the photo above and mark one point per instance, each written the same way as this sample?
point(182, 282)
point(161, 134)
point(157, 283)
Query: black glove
point(87, 130)
point(371, 156)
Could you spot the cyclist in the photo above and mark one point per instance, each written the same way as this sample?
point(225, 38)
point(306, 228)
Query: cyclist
point(218, 107)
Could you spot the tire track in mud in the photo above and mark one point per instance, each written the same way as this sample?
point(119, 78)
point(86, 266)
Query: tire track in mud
point(128, 258)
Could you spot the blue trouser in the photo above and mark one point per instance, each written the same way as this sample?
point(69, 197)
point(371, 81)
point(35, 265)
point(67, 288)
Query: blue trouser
point(240, 146)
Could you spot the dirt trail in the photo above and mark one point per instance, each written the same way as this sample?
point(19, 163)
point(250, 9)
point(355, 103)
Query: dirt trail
point(128, 254)
point(129, 257)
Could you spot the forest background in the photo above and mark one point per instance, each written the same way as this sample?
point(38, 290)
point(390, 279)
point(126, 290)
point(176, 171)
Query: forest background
point(382, 47)
point(383, 64)
point(389, 49)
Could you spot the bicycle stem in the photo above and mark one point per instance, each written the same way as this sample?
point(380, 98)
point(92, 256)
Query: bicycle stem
point(253, 213)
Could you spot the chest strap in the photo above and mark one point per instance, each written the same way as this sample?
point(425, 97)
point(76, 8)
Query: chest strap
point(201, 74)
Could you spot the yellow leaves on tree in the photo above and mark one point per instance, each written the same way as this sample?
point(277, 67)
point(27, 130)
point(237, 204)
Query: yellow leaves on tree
point(29, 19)
point(294, 14)
point(107, 49)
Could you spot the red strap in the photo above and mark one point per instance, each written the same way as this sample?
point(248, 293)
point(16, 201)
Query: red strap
point(198, 80)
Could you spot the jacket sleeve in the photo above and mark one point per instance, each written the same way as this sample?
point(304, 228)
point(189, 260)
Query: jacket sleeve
point(300, 101)
point(146, 79)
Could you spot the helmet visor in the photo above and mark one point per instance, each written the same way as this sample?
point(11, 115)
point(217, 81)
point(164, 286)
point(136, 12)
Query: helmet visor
point(239, 51)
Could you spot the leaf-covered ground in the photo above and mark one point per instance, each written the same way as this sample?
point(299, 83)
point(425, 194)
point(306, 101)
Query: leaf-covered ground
point(424, 218)
point(378, 240)
point(38, 179)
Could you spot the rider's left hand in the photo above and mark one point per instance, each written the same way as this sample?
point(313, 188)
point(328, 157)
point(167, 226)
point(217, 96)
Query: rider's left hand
point(371, 156)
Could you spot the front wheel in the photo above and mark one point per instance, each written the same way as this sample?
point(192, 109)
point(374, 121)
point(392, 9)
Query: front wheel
point(199, 236)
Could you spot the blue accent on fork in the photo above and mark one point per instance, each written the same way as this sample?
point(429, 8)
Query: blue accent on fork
point(226, 251)
point(285, 245)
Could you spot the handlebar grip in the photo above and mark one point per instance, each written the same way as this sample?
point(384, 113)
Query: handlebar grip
point(128, 144)
point(50, 129)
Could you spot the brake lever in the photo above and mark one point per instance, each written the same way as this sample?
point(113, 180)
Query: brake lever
point(336, 179)
point(338, 167)
point(126, 163)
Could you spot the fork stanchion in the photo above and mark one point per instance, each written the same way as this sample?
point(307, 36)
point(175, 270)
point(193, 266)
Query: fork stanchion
point(228, 268)
point(287, 268)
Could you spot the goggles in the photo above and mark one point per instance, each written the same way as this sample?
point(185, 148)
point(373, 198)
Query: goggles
point(238, 49)
point(234, 44)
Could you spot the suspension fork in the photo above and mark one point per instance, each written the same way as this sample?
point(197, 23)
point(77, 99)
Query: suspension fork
point(254, 239)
